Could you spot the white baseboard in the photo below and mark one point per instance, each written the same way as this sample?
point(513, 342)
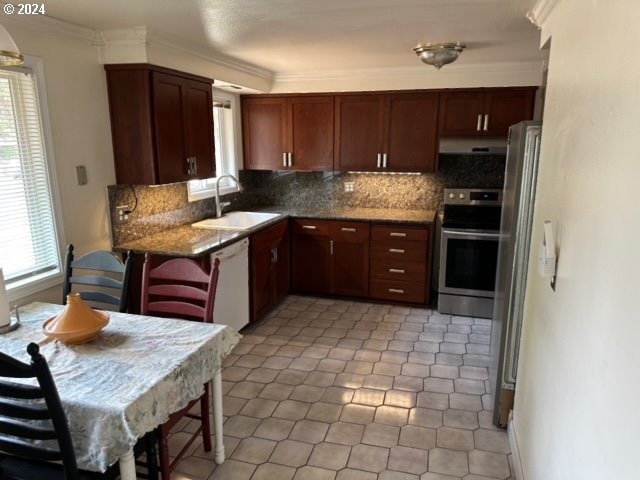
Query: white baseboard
point(518, 472)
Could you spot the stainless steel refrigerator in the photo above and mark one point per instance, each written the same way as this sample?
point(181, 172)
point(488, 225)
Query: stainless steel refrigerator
point(513, 259)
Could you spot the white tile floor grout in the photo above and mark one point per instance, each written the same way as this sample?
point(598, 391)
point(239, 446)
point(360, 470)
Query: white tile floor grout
point(328, 389)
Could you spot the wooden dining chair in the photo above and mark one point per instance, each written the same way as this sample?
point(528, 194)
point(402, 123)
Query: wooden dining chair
point(104, 278)
point(181, 288)
point(34, 413)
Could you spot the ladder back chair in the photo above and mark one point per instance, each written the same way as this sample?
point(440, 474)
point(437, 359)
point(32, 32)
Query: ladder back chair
point(106, 280)
point(181, 288)
point(30, 413)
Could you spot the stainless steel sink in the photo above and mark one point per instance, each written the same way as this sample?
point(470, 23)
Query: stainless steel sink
point(237, 221)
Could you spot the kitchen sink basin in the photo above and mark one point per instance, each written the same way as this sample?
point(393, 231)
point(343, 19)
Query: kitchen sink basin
point(237, 221)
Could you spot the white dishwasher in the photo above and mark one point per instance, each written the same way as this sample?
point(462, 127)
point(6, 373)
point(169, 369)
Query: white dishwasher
point(232, 295)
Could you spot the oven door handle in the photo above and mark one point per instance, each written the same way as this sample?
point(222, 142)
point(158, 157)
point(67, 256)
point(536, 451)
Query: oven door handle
point(463, 233)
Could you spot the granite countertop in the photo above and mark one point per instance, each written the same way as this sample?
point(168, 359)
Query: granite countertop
point(186, 241)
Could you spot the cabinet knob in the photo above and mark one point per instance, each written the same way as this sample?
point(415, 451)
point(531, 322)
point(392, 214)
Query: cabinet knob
point(345, 229)
point(396, 290)
point(486, 122)
point(284, 159)
point(309, 227)
point(397, 234)
point(479, 124)
point(396, 270)
point(396, 250)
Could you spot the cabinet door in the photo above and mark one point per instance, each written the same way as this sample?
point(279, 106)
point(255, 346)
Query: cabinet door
point(349, 259)
point(412, 130)
point(282, 268)
point(310, 256)
point(311, 123)
point(358, 131)
point(506, 107)
point(261, 285)
point(198, 113)
point(269, 268)
point(168, 98)
point(461, 114)
point(264, 133)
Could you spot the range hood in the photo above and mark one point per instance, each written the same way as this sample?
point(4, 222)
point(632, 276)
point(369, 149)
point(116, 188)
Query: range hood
point(473, 146)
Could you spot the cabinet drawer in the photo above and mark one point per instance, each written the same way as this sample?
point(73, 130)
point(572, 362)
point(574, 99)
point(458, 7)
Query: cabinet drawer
point(379, 232)
point(398, 250)
point(398, 270)
point(347, 230)
point(397, 290)
point(309, 226)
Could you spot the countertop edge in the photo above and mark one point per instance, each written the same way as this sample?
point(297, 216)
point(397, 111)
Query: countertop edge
point(285, 213)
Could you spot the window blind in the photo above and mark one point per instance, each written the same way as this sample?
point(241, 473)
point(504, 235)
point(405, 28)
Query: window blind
point(28, 239)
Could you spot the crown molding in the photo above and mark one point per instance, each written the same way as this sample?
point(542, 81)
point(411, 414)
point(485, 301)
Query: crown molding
point(207, 54)
point(136, 42)
point(540, 12)
point(52, 26)
point(408, 72)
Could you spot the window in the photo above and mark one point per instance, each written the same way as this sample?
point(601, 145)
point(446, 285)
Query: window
point(29, 246)
point(224, 129)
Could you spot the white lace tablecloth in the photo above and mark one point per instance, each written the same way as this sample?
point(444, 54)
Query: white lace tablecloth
point(127, 381)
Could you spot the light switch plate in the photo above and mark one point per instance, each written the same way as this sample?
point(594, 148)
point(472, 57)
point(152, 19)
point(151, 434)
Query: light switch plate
point(81, 174)
point(349, 187)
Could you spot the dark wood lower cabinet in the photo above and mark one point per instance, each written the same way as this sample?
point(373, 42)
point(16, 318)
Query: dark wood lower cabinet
point(269, 268)
point(330, 257)
point(349, 259)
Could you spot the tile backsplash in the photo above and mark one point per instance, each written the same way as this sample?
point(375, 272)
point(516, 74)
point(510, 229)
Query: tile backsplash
point(166, 206)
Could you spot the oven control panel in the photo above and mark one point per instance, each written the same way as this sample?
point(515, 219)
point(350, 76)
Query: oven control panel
point(473, 196)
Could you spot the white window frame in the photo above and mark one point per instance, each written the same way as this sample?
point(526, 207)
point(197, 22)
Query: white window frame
point(37, 283)
point(206, 188)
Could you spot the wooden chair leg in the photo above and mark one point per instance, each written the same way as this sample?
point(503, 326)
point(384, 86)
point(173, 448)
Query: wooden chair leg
point(206, 419)
point(165, 461)
point(151, 448)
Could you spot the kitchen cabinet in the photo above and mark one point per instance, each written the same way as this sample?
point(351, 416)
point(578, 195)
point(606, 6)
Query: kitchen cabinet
point(330, 257)
point(161, 124)
point(484, 112)
point(393, 132)
point(288, 133)
point(400, 263)
point(269, 272)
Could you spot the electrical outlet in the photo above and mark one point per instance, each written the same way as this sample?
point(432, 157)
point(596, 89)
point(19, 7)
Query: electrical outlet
point(123, 212)
point(349, 187)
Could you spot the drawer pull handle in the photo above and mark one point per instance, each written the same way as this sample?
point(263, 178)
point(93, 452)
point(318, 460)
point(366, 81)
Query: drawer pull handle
point(395, 290)
point(346, 229)
point(396, 250)
point(309, 227)
point(396, 270)
point(397, 234)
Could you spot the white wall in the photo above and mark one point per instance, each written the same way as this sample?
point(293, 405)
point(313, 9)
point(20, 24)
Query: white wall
point(79, 119)
point(576, 414)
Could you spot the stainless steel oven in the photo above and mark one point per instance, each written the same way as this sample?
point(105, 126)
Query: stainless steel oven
point(469, 252)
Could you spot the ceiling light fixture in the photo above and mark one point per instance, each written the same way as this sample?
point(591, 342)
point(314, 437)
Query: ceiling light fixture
point(439, 54)
point(9, 54)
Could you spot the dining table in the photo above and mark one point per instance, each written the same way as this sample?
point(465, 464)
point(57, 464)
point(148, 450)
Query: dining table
point(128, 380)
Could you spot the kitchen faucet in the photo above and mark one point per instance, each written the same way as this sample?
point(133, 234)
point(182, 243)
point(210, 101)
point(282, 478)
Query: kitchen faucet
point(220, 206)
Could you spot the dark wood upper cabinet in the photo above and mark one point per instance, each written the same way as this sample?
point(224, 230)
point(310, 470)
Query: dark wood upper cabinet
point(359, 128)
point(486, 112)
point(386, 132)
point(161, 124)
point(288, 133)
point(412, 126)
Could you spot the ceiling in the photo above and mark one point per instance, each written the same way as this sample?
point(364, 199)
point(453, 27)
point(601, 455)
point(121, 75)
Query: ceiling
point(305, 36)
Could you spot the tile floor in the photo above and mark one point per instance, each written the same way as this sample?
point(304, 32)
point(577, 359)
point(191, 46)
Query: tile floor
point(328, 389)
